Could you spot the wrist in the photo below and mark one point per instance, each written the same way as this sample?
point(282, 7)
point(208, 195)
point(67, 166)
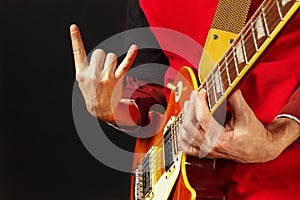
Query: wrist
point(283, 132)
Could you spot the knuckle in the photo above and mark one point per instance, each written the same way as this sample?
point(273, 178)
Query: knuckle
point(93, 79)
point(184, 136)
point(78, 50)
point(194, 151)
point(91, 109)
point(186, 125)
point(86, 77)
point(185, 150)
point(203, 118)
point(80, 77)
point(104, 82)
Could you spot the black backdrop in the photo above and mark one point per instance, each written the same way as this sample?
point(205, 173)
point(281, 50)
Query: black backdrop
point(41, 155)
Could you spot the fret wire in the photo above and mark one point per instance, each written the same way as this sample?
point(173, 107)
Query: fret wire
point(248, 28)
point(207, 88)
point(279, 10)
point(225, 61)
point(214, 88)
point(244, 48)
point(210, 87)
point(267, 8)
point(273, 18)
point(247, 38)
point(233, 57)
point(221, 72)
point(235, 62)
point(220, 80)
point(208, 97)
point(254, 37)
point(265, 20)
point(227, 71)
point(160, 142)
point(225, 81)
point(209, 79)
point(222, 87)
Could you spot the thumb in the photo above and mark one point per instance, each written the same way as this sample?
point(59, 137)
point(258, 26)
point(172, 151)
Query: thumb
point(127, 62)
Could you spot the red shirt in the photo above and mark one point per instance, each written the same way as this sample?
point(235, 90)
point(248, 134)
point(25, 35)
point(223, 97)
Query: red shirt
point(267, 90)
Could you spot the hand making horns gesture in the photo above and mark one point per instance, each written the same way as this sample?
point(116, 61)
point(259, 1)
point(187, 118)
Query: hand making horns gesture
point(100, 80)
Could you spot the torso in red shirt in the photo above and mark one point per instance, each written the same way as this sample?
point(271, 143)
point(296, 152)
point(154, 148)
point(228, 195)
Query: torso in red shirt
point(266, 90)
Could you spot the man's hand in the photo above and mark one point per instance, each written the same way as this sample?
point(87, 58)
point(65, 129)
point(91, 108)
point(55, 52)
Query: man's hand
point(243, 139)
point(100, 81)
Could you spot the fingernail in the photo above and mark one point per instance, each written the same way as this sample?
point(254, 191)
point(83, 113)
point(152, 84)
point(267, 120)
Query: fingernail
point(185, 105)
point(193, 94)
point(73, 28)
point(131, 49)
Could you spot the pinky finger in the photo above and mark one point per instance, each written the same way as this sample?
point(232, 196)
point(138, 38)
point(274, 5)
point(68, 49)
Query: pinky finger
point(127, 62)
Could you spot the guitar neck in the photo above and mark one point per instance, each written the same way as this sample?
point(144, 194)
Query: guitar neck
point(255, 37)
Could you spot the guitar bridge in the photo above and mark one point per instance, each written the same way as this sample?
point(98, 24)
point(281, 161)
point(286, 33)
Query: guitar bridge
point(138, 191)
point(146, 175)
point(158, 171)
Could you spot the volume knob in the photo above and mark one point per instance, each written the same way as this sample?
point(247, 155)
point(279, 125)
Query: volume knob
point(171, 87)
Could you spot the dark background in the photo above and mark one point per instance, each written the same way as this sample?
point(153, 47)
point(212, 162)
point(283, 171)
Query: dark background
point(41, 155)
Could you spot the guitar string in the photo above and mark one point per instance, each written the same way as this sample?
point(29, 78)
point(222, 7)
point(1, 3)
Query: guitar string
point(269, 5)
point(268, 8)
point(248, 35)
point(231, 54)
point(231, 51)
point(243, 39)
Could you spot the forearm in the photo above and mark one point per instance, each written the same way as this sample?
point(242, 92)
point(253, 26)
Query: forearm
point(284, 132)
point(243, 139)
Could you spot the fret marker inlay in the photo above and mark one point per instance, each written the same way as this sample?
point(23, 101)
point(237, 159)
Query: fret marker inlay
point(217, 82)
point(284, 2)
point(239, 53)
point(260, 31)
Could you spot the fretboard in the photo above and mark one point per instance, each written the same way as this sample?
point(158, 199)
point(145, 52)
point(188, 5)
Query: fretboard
point(257, 34)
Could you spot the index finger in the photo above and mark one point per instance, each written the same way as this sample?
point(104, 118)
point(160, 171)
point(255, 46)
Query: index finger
point(77, 46)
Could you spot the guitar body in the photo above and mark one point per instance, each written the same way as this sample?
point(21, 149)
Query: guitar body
point(195, 179)
point(161, 170)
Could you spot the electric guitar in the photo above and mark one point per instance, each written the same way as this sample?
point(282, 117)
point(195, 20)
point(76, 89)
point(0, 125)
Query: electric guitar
point(164, 171)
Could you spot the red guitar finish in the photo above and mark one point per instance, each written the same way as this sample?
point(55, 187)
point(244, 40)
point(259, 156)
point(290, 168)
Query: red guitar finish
point(197, 173)
point(196, 179)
